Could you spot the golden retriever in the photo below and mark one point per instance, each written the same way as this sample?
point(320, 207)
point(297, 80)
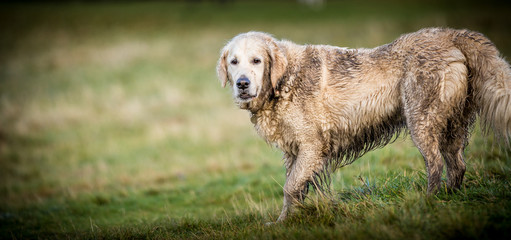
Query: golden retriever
point(325, 106)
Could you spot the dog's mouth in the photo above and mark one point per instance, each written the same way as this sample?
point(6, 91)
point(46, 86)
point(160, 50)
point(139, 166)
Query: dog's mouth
point(246, 96)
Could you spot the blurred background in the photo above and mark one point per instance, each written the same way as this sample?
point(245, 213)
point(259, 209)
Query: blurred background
point(111, 113)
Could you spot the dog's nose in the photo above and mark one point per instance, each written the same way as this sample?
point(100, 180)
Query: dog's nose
point(243, 82)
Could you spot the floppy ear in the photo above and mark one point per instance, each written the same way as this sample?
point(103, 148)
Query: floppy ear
point(221, 67)
point(278, 63)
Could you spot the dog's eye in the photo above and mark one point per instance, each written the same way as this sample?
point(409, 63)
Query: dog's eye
point(234, 61)
point(256, 61)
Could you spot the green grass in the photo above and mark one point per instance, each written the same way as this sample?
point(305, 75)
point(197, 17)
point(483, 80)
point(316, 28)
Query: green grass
point(113, 125)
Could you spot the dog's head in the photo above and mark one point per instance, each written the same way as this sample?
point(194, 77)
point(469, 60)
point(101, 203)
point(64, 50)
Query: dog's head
point(252, 63)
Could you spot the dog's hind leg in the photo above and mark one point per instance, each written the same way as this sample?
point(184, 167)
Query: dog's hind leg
point(452, 150)
point(425, 125)
point(426, 138)
point(453, 145)
point(430, 99)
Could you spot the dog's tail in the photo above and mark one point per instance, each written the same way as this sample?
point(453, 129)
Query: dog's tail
point(490, 78)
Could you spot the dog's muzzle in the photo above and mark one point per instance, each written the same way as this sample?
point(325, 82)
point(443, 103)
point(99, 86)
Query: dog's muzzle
point(243, 84)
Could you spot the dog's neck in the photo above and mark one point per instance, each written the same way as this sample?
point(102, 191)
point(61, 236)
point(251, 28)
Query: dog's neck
point(264, 120)
point(265, 101)
point(258, 105)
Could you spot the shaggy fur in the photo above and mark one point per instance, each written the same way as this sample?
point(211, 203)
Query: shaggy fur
point(325, 106)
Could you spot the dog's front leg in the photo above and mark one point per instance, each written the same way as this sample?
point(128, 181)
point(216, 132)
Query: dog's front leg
point(299, 174)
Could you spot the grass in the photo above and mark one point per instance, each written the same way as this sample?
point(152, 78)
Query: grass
point(113, 125)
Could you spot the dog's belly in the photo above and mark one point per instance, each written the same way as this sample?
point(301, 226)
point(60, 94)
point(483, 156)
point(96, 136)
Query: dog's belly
point(362, 117)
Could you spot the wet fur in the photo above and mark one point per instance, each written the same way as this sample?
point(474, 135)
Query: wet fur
point(326, 106)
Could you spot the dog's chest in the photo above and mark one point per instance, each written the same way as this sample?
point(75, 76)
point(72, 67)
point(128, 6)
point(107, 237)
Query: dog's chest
point(266, 125)
point(278, 130)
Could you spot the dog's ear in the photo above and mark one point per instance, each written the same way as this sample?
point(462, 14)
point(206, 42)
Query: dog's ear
point(278, 62)
point(221, 67)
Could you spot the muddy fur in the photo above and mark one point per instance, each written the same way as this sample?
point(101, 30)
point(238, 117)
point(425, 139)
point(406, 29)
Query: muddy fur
point(326, 106)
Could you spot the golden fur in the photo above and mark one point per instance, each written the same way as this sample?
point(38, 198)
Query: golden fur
point(325, 106)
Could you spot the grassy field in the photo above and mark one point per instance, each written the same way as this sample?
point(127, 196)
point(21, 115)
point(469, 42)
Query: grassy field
point(113, 125)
